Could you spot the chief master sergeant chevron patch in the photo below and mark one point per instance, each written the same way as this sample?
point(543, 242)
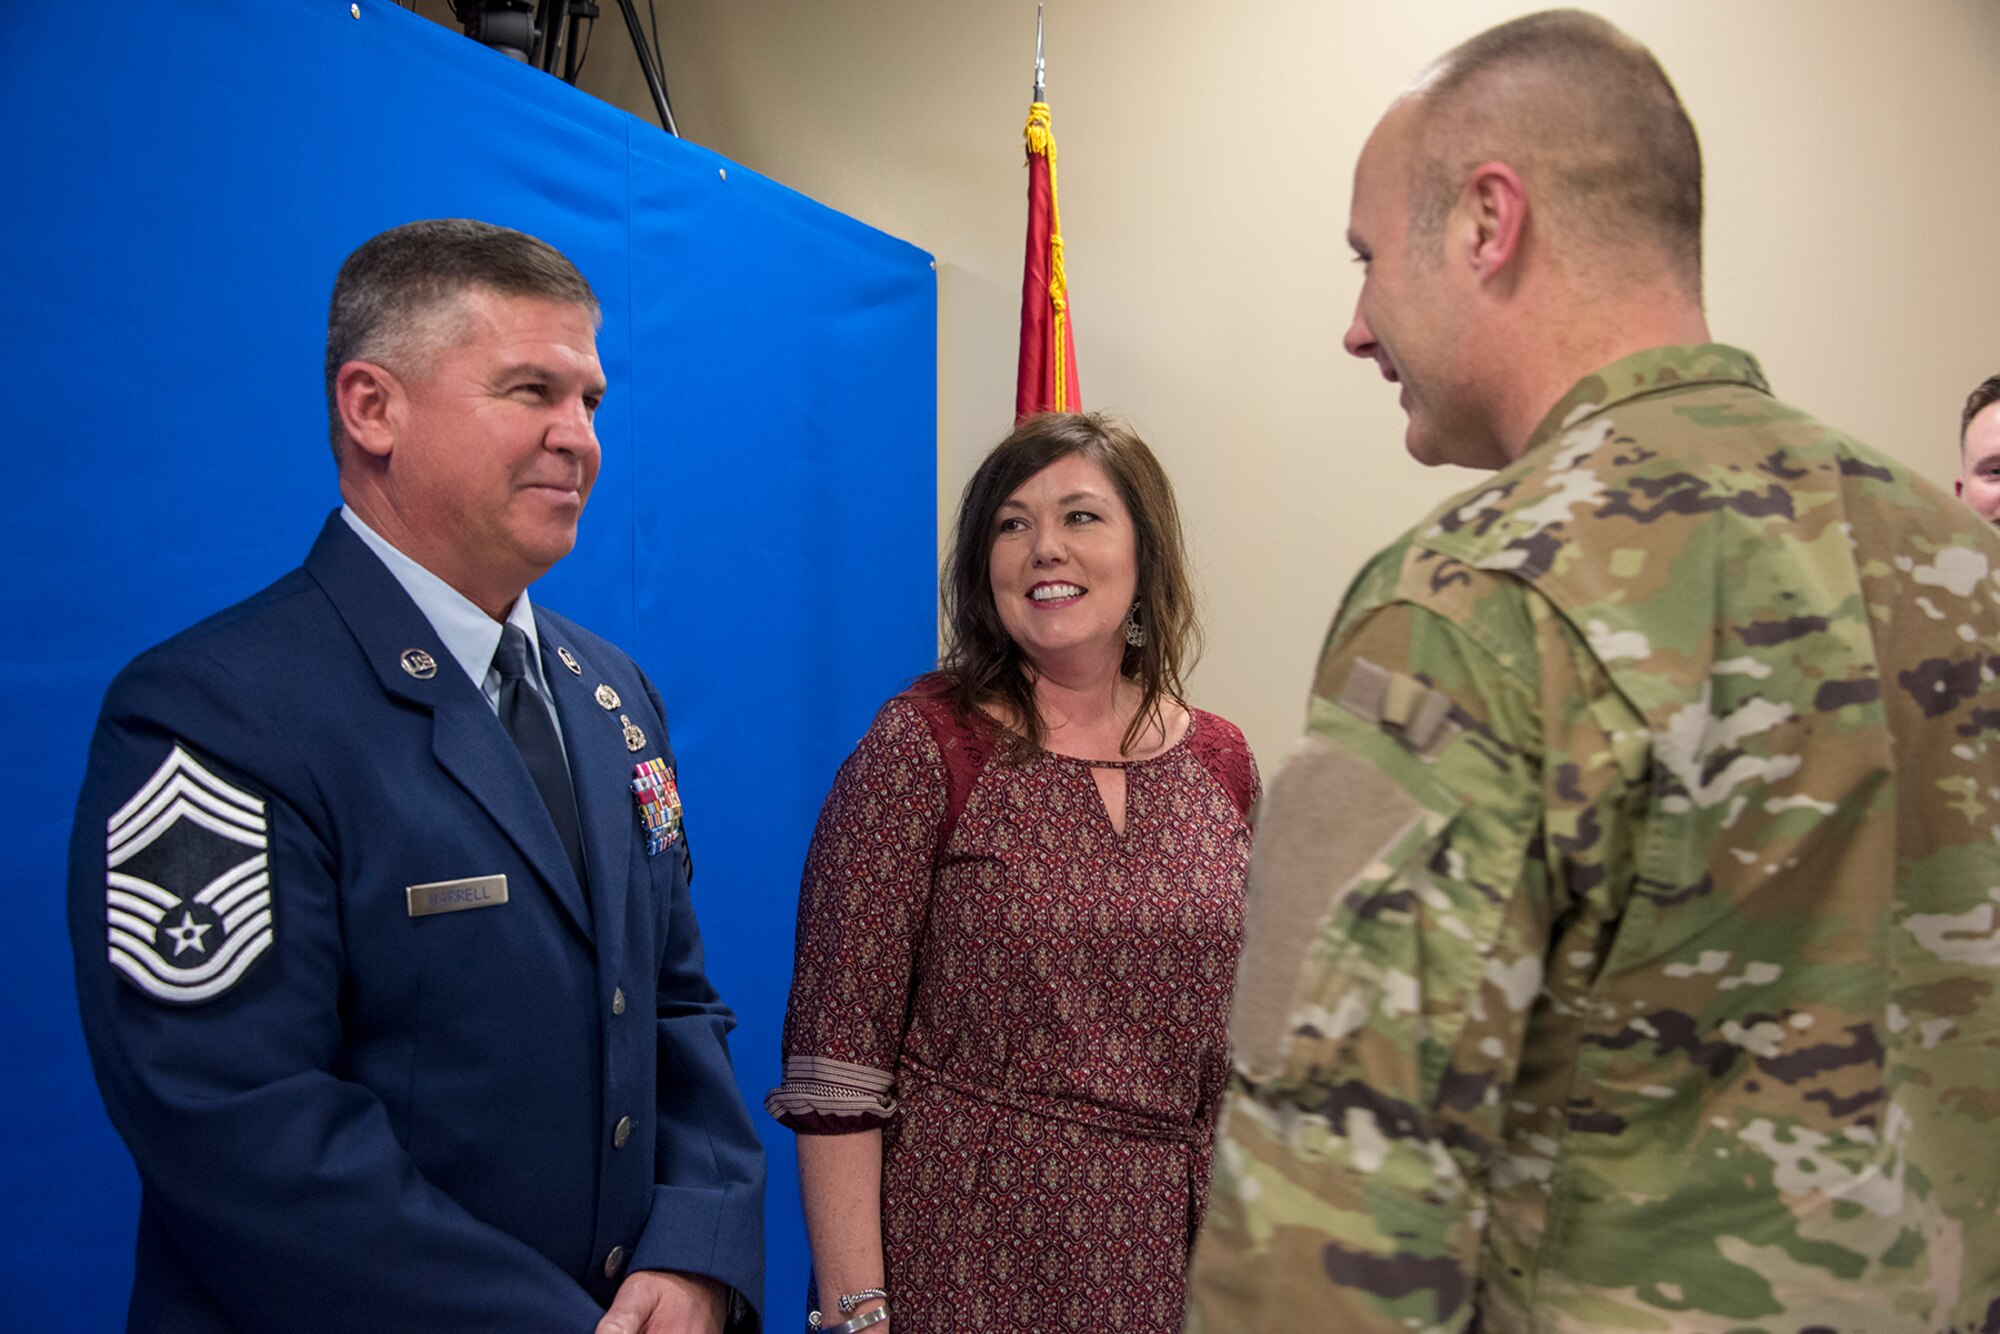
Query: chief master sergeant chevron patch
point(187, 886)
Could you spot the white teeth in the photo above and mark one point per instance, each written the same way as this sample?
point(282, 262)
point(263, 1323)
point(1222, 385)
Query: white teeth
point(1050, 592)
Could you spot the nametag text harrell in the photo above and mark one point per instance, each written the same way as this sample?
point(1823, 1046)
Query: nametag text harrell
point(481, 891)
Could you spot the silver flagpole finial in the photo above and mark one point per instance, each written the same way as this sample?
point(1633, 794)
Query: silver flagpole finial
point(1039, 73)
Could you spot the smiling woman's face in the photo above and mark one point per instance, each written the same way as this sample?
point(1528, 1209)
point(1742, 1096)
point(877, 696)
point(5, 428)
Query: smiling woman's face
point(1065, 563)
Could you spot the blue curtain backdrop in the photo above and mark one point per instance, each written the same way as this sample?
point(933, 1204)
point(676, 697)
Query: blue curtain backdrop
point(182, 182)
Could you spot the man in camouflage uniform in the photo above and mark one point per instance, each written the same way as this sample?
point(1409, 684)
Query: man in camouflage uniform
point(1625, 932)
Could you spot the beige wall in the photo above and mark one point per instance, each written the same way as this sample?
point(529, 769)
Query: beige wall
point(1854, 188)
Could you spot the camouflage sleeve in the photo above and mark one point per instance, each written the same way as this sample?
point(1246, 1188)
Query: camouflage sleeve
point(1409, 877)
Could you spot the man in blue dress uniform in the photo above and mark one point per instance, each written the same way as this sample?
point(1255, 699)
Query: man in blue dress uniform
point(378, 889)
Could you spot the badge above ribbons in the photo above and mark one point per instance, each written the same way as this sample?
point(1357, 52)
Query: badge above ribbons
point(659, 801)
point(187, 883)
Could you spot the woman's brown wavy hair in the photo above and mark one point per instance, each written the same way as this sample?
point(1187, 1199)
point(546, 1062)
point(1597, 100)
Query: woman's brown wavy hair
point(980, 666)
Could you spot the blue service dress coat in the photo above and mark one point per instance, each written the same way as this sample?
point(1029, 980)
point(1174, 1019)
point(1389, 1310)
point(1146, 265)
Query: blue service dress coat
point(358, 1101)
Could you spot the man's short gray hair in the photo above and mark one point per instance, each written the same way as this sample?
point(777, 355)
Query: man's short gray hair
point(397, 295)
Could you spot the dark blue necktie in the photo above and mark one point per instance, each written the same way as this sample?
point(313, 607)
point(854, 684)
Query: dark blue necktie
point(527, 720)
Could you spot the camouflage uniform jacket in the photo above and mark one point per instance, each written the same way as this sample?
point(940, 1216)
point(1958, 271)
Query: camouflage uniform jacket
point(1622, 949)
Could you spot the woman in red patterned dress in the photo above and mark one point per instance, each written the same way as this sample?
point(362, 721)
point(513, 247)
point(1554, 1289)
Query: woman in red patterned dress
point(1018, 927)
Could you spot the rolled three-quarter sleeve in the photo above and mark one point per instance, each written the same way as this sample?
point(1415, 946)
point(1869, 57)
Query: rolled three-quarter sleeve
point(862, 905)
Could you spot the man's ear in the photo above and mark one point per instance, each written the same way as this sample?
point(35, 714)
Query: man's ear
point(371, 406)
point(1958, 486)
point(1496, 203)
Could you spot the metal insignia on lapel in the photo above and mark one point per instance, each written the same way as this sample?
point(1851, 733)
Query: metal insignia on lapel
point(607, 697)
point(634, 738)
point(419, 664)
point(569, 661)
point(659, 804)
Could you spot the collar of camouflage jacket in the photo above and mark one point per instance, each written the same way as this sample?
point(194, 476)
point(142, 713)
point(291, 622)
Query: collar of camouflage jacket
point(1656, 370)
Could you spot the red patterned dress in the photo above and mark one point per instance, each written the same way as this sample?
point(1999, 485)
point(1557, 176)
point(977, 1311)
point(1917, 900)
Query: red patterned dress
point(1032, 1007)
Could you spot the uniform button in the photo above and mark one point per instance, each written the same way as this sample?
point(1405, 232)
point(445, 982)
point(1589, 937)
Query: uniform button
point(617, 1000)
point(614, 1262)
point(621, 1132)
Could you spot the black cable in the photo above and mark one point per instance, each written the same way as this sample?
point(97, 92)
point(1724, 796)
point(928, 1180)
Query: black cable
point(660, 69)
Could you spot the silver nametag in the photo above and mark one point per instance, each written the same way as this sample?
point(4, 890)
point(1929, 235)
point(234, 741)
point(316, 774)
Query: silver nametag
point(481, 891)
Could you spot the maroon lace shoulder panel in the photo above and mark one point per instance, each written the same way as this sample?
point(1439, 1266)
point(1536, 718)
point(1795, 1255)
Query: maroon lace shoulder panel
point(965, 750)
point(1219, 745)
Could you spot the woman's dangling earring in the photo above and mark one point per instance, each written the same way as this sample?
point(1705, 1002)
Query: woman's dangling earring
point(1135, 633)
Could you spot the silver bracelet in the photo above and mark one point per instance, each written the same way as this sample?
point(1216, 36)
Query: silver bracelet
point(850, 1300)
point(860, 1322)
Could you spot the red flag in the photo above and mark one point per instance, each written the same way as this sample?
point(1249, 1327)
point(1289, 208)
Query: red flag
point(1046, 381)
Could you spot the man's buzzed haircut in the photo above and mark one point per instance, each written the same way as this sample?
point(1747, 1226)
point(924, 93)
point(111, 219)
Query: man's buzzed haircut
point(1982, 398)
point(396, 295)
point(1583, 112)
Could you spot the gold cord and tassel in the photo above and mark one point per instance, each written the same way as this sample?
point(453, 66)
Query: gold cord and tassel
point(1042, 143)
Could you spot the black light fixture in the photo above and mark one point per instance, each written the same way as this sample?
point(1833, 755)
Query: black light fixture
point(508, 26)
point(545, 33)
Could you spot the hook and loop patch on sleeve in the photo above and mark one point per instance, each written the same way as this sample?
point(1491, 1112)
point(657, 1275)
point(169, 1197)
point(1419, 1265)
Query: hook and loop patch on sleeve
point(1333, 831)
point(1406, 708)
point(187, 883)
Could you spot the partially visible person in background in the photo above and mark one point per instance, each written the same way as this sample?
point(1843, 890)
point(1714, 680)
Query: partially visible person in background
point(1978, 483)
point(1018, 927)
point(1622, 948)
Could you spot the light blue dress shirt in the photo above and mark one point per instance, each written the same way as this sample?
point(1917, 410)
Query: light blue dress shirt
point(469, 634)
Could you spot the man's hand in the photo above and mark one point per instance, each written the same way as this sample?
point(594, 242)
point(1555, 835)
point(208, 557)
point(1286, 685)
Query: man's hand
point(655, 1301)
